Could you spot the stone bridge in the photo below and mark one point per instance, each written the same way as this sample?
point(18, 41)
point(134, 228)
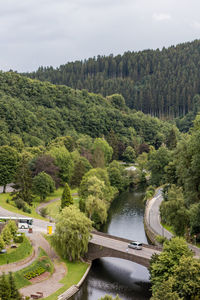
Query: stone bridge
point(104, 245)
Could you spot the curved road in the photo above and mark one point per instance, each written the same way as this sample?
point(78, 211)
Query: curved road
point(153, 220)
point(153, 215)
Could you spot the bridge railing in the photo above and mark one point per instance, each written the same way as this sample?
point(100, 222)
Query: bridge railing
point(124, 240)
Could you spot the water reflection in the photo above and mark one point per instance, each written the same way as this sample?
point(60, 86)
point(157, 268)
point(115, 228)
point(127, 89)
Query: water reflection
point(117, 276)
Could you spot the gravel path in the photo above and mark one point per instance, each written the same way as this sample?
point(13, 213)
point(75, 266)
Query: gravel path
point(52, 284)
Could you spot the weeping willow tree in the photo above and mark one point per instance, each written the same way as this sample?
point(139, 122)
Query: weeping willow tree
point(72, 233)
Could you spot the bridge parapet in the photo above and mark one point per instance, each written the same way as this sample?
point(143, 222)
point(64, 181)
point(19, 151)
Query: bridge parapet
point(97, 251)
point(157, 247)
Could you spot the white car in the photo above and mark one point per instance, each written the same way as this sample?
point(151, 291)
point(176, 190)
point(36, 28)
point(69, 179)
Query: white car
point(135, 245)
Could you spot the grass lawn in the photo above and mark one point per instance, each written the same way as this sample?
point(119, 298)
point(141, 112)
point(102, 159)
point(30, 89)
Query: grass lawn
point(54, 207)
point(42, 261)
point(10, 206)
point(75, 271)
point(169, 228)
point(24, 250)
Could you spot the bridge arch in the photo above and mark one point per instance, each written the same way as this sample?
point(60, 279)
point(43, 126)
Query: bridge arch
point(98, 251)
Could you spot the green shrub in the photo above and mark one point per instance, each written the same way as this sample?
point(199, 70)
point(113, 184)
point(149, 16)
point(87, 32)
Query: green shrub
point(161, 239)
point(20, 204)
point(18, 239)
point(43, 211)
point(35, 273)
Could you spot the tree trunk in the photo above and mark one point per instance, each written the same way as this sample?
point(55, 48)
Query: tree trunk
point(4, 188)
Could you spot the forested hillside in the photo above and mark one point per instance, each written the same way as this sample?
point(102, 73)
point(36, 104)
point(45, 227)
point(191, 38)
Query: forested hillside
point(40, 111)
point(159, 82)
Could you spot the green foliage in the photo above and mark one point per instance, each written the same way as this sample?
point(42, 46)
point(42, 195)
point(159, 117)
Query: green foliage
point(149, 192)
point(117, 176)
point(2, 243)
point(22, 251)
point(34, 273)
point(129, 155)
point(163, 268)
point(66, 198)
point(64, 161)
point(102, 153)
point(171, 139)
point(8, 164)
point(5, 292)
point(158, 82)
point(14, 293)
point(12, 227)
point(43, 185)
point(96, 195)
point(23, 183)
point(117, 101)
point(158, 159)
point(108, 297)
point(40, 112)
point(161, 239)
point(194, 216)
point(72, 233)
point(173, 211)
point(81, 167)
point(6, 235)
point(142, 161)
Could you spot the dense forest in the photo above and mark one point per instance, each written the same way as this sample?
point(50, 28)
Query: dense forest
point(40, 111)
point(158, 82)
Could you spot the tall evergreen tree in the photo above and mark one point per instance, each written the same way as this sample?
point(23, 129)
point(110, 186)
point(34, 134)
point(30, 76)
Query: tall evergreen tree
point(5, 292)
point(14, 293)
point(66, 198)
point(23, 182)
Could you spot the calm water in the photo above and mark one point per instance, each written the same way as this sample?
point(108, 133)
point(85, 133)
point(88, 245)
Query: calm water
point(117, 276)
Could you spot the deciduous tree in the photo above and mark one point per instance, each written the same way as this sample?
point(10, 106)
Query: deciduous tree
point(43, 185)
point(72, 233)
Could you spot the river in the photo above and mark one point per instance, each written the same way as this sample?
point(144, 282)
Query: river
point(117, 276)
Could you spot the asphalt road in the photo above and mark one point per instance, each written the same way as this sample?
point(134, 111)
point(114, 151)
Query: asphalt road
point(38, 225)
point(122, 246)
point(153, 215)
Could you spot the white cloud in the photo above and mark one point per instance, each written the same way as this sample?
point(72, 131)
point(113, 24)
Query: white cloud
point(161, 17)
point(195, 25)
point(56, 32)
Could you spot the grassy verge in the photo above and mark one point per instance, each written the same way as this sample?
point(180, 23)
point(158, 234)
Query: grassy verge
point(42, 261)
point(11, 207)
point(168, 228)
point(75, 271)
point(23, 251)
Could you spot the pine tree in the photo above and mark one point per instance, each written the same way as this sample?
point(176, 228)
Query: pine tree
point(14, 293)
point(2, 243)
point(23, 182)
point(66, 198)
point(4, 288)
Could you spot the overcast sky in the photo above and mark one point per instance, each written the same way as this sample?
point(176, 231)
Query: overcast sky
point(53, 32)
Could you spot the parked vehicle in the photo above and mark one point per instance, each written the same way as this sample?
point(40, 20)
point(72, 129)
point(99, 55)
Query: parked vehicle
point(23, 222)
point(135, 245)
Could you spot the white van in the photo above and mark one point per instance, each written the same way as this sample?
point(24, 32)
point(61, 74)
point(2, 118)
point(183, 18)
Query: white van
point(25, 223)
point(135, 245)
